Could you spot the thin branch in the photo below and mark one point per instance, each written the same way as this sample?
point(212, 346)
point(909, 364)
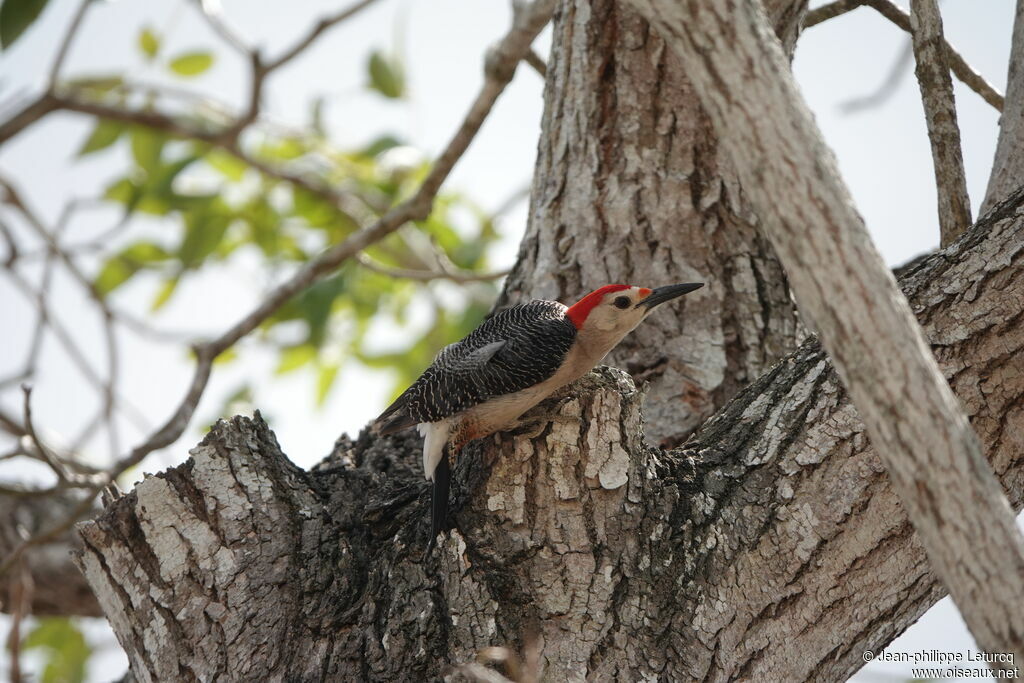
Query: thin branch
point(69, 38)
point(213, 13)
point(225, 139)
point(47, 456)
point(12, 246)
point(30, 113)
point(897, 70)
point(964, 72)
point(537, 62)
point(830, 10)
point(319, 28)
point(222, 137)
point(940, 114)
point(65, 338)
point(499, 69)
point(69, 461)
point(458, 276)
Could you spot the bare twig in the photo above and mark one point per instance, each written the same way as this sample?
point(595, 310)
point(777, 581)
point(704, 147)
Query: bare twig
point(47, 456)
point(959, 66)
point(214, 15)
point(12, 246)
point(830, 10)
point(319, 28)
point(13, 198)
point(10, 425)
point(897, 70)
point(259, 69)
point(459, 276)
point(62, 335)
point(537, 62)
point(65, 44)
point(225, 139)
point(940, 114)
point(499, 69)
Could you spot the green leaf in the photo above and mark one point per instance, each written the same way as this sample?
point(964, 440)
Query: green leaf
point(147, 147)
point(284, 149)
point(120, 267)
point(324, 381)
point(294, 357)
point(386, 75)
point(66, 649)
point(380, 145)
point(112, 275)
point(149, 43)
point(164, 294)
point(227, 356)
point(103, 135)
point(191, 63)
point(15, 17)
point(203, 232)
point(227, 165)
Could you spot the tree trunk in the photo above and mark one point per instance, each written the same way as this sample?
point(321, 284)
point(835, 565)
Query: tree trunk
point(769, 547)
point(631, 186)
point(933, 458)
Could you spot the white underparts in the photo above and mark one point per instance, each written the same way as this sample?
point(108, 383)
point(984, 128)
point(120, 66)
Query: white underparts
point(435, 435)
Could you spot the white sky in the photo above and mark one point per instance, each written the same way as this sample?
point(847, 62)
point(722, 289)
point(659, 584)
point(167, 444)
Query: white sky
point(883, 154)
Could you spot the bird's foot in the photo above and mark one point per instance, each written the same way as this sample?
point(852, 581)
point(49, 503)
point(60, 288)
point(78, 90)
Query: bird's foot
point(533, 424)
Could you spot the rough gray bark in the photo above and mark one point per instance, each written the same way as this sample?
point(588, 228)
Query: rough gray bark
point(631, 186)
point(769, 547)
point(932, 456)
point(1008, 167)
point(936, 84)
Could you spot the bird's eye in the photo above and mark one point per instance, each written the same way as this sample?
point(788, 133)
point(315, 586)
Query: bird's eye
point(622, 302)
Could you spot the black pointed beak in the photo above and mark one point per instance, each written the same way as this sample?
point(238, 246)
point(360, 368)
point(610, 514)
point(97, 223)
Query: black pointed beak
point(667, 293)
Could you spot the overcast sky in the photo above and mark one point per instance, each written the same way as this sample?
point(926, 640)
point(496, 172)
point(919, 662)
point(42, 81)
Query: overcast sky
point(883, 154)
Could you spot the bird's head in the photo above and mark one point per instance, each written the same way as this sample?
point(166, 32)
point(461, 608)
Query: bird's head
point(613, 311)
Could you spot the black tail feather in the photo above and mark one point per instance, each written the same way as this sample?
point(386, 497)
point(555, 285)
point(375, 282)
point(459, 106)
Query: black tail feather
point(439, 500)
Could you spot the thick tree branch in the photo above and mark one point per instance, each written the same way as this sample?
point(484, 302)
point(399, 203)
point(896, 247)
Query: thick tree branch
point(1008, 168)
point(940, 115)
point(838, 278)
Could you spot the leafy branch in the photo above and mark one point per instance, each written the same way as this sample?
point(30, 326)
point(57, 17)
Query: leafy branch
point(499, 69)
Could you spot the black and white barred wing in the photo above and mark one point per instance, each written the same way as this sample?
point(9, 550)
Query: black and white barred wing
point(513, 350)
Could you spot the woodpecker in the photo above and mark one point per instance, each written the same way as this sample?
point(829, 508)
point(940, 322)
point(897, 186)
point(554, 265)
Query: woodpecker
point(507, 365)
